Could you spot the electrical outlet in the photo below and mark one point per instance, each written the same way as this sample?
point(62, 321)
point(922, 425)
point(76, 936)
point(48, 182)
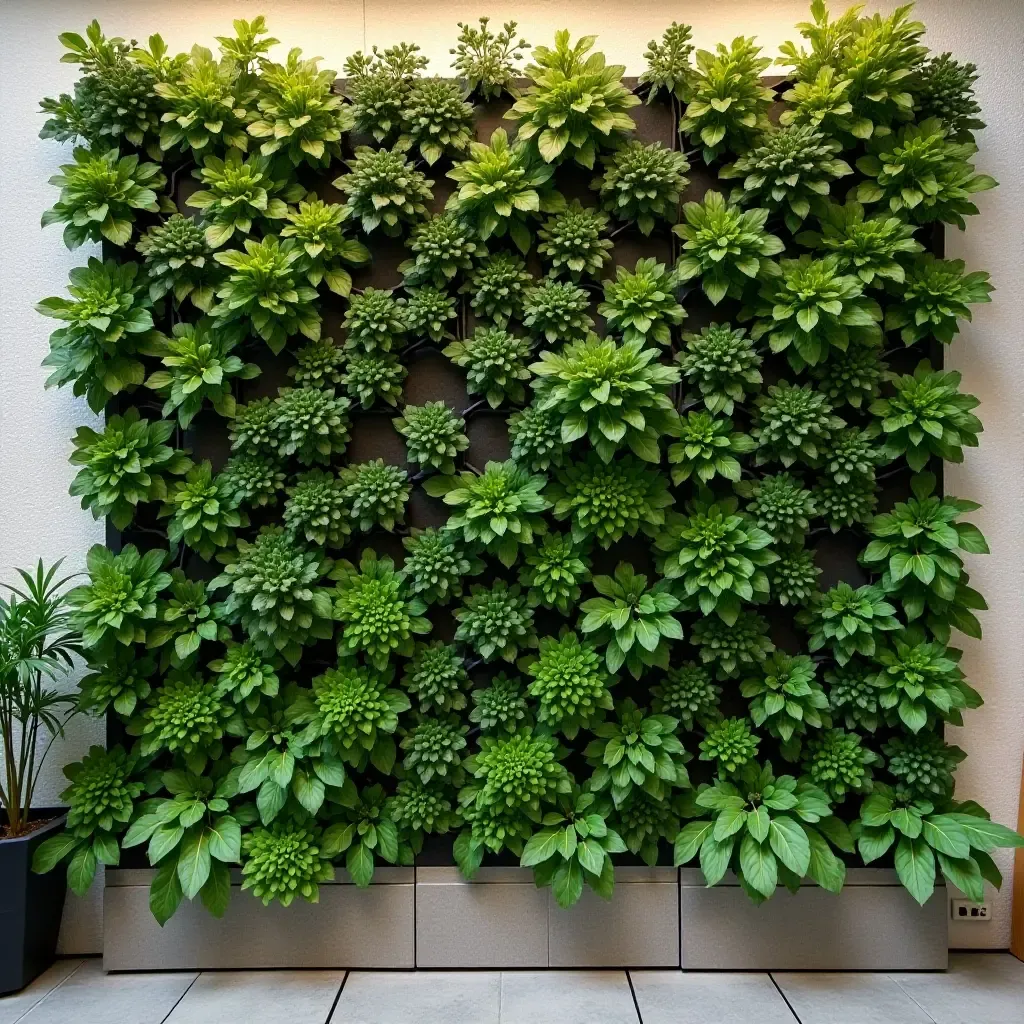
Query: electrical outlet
point(966, 910)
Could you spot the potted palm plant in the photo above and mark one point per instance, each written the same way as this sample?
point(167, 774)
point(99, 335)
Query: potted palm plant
point(37, 648)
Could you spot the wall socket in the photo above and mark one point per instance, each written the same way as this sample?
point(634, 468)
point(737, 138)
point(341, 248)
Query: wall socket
point(966, 910)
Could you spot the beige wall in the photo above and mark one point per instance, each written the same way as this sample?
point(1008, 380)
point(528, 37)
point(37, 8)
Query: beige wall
point(38, 518)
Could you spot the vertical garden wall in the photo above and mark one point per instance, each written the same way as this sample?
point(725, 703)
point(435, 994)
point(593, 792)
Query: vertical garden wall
point(571, 494)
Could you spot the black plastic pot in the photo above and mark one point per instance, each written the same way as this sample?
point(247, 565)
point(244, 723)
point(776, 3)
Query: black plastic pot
point(30, 906)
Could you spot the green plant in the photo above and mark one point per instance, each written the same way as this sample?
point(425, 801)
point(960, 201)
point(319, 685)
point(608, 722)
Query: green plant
point(571, 241)
point(787, 699)
point(641, 305)
point(608, 501)
point(312, 424)
point(374, 322)
point(369, 377)
point(557, 310)
point(316, 226)
point(418, 808)
point(793, 579)
point(495, 621)
point(434, 435)
point(935, 295)
point(849, 621)
point(853, 695)
point(184, 716)
point(536, 436)
point(378, 618)
point(643, 183)
point(922, 765)
point(615, 395)
point(437, 677)
point(728, 106)
point(443, 247)
point(788, 172)
point(486, 60)
point(730, 743)
point(256, 430)
point(780, 505)
point(428, 311)
point(724, 365)
point(707, 447)
point(668, 65)
point(436, 564)
point(577, 103)
point(179, 260)
point(126, 464)
point(554, 571)
point(569, 684)
point(263, 289)
point(851, 377)
point(317, 510)
point(687, 694)
point(377, 494)
point(120, 681)
point(255, 480)
point(944, 89)
point(384, 190)
point(275, 594)
point(435, 748)
point(99, 194)
point(495, 361)
point(245, 675)
point(497, 286)
point(728, 647)
point(927, 416)
point(643, 823)
point(838, 763)
point(497, 510)
point(768, 829)
point(109, 325)
point(810, 309)
point(204, 512)
point(284, 861)
point(502, 187)
point(725, 246)
point(500, 706)
point(436, 119)
point(200, 367)
point(793, 423)
point(633, 622)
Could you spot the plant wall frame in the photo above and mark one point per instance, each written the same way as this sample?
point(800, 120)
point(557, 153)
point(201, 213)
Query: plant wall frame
point(533, 463)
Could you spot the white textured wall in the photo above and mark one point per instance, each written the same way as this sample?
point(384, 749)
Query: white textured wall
point(38, 518)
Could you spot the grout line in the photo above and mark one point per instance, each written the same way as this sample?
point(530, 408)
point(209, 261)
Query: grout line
point(785, 998)
point(910, 996)
point(334, 1005)
point(49, 992)
point(632, 992)
point(166, 1017)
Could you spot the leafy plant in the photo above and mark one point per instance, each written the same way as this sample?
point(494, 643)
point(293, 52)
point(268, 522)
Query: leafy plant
point(793, 423)
point(369, 377)
point(500, 706)
point(536, 436)
point(668, 64)
point(316, 226)
point(434, 435)
point(571, 241)
point(204, 512)
point(377, 494)
point(849, 621)
point(436, 564)
point(497, 286)
point(443, 247)
point(436, 119)
point(486, 59)
point(317, 510)
point(374, 322)
point(495, 620)
point(707, 447)
point(179, 260)
point(557, 310)
point(312, 424)
point(641, 305)
point(495, 360)
point(724, 365)
point(642, 183)
point(554, 571)
point(384, 190)
point(569, 684)
point(787, 699)
point(428, 311)
point(728, 647)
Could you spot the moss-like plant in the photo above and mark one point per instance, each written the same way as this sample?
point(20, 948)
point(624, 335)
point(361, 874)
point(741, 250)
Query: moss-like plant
point(793, 423)
point(317, 509)
point(614, 395)
point(486, 59)
point(725, 246)
point(497, 286)
point(496, 621)
point(852, 377)
point(436, 563)
point(780, 505)
point(577, 103)
point(642, 183)
point(707, 447)
point(374, 322)
point(536, 436)
point(557, 311)
point(257, 481)
point(723, 364)
point(436, 119)
point(434, 435)
point(368, 378)
point(794, 577)
point(571, 242)
point(284, 861)
point(922, 765)
point(728, 108)
point(435, 748)
point(437, 677)
point(316, 226)
point(99, 196)
point(312, 424)
point(943, 88)
point(377, 494)
point(428, 311)
point(554, 571)
point(688, 694)
point(668, 64)
point(318, 364)
point(730, 744)
point(838, 762)
point(443, 247)
point(641, 305)
point(495, 361)
point(500, 706)
point(384, 190)
point(732, 648)
point(570, 685)
point(179, 260)
point(245, 675)
point(842, 505)
point(502, 187)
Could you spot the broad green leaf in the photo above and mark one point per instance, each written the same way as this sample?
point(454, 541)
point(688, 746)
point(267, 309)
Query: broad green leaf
point(915, 865)
point(789, 842)
point(194, 862)
point(945, 835)
point(165, 893)
point(689, 840)
point(824, 867)
point(965, 874)
point(81, 870)
point(758, 864)
point(714, 858)
point(52, 851)
point(216, 893)
point(359, 863)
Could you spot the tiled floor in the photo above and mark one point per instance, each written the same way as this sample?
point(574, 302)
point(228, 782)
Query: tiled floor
point(977, 989)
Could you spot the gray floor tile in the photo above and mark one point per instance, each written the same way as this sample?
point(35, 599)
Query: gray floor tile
point(91, 997)
point(675, 997)
point(14, 1007)
point(566, 997)
point(985, 987)
point(825, 998)
point(259, 997)
point(435, 997)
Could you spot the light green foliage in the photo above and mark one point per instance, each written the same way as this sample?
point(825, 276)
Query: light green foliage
point(787, 699)
point(255, 480)
point(99, 196)
point(443, 247)
point(608, 501)
point(366, 832)
point(434, 435)
point(922, 176)
point(569, 684)
point(536, 436)
point(434, 748)
point(725, 246)
point(521, 772)
point(379, 83)
point(275, 594)
point(810, 309)
point(922, 765)
point(495, 364)
point(577, 103)
point(554, 571)
point(179, 260)
point(377, 494)
point(838, 763)
point(557, 311)
point(496, 620)
point(318, 364)
point(429, 311)
point(245, 675)
point(849, 621)
point(728, 105)
point(126, 464)
point(436, 120)
point(637, 750)
point(317, 510)
point(943, 88)
point(571, 242)
point(377, 616)
point(843, 505)
point(369, 377)
point(724, 365)
point(780, 505)
point(643, 183)
point(204, 512)
point(641, 305)
point(644, 823)
point(851, 377)
point(935, 295)
point(201, 367)
point(633, 622)
point(262, 288)
point(732, 648)
point(109, 324)
point(374, 322)
point(793, 422)
point(437, 677)
point(497, 286)
point(730, 743)
point(184, 716)
point(793, 579)
point(486, 59)
point(615, 395)
point(500, 706)
point(687, 694)
point(119, 681)
point(498, 510)
point(256, 429)
point(186, 619)
point(384, 190)
point(316, 226)
point(312, 424)
point(284, 861)
point(707, 447)
point(436, 563)
point(418, 808)
point(788, 172)
point(927, 416)
point(668, 64)
point(502, 188)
